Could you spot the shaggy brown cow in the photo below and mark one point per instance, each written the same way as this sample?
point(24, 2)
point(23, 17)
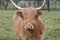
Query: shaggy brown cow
point(27, 24)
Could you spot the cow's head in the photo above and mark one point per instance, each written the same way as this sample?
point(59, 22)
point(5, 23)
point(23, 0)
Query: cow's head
point(27, 18)
point(29, 13)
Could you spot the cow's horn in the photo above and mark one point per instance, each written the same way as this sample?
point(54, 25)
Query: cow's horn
point(42, 5)
point(15, 5)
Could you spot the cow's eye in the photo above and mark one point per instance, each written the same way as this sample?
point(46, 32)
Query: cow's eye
point(19, 13)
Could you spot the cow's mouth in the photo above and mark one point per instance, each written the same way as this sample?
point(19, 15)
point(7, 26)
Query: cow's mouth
point(31, 30)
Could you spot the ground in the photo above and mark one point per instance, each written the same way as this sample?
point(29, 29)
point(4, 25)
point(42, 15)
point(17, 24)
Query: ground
point(50, 19)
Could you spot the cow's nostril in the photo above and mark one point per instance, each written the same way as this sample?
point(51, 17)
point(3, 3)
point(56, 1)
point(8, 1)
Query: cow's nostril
point(29, 27)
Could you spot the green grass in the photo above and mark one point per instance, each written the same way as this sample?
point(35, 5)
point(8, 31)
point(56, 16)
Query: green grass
point(52, 23)
point(50, 19)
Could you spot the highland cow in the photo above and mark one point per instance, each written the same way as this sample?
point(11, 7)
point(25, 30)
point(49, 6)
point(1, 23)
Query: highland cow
point(28, 24)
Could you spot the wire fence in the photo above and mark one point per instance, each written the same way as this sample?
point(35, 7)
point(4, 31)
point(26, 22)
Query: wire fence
point(50, 4)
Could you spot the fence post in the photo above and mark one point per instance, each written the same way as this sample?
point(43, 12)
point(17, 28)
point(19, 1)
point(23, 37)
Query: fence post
point(55, 4)
point(48, 5)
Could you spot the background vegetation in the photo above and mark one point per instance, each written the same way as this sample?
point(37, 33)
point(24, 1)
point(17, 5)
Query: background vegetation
point(50, 4)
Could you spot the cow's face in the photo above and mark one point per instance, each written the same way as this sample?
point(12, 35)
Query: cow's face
point(29, 18)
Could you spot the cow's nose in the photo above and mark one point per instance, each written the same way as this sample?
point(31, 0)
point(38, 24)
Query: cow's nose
point(29, 26)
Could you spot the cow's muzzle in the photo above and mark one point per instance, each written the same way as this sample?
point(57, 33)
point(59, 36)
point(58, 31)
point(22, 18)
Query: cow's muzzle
point(29, 26)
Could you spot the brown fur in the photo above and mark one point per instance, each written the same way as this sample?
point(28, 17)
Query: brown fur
point(25, 16)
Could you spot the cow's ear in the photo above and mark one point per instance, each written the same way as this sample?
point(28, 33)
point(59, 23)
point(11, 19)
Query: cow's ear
point(39, 12)
point(19, 13)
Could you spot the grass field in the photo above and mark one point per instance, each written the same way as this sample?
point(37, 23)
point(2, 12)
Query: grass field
point(50, 19)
